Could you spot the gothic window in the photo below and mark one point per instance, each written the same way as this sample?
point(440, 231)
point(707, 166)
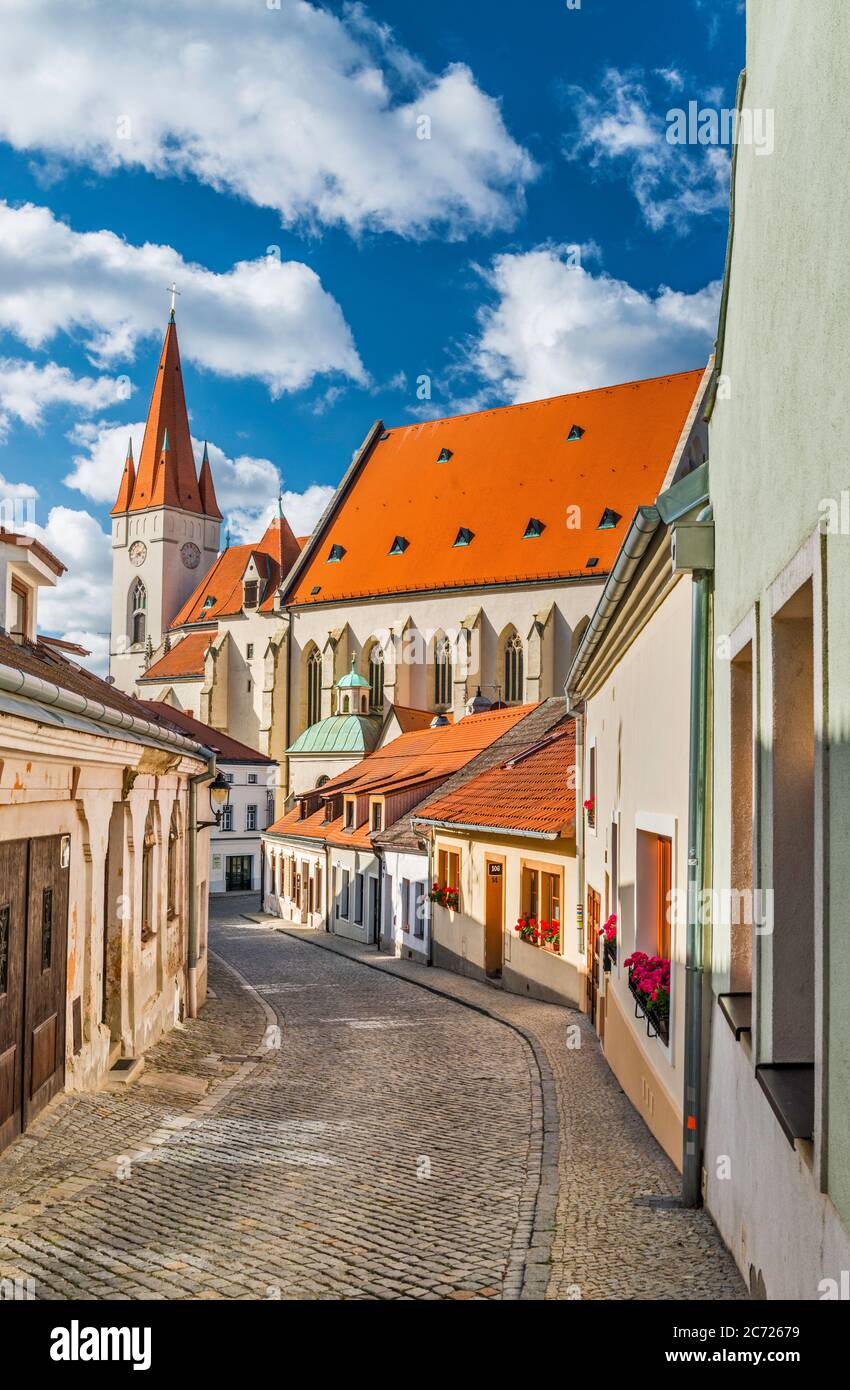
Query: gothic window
point(514, 670)
point(314, 687)
point(138, 612)
point(376, 677)
point(443, 673)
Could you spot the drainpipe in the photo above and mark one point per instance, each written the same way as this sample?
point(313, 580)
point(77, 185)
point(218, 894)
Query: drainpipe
point(692, 1139)
point(578, 715)
point(431, 837)
point(194, 935)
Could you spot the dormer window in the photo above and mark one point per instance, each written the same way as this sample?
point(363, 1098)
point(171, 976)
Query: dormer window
point(533, 529)
point(377, 815)
point(463, 537)
point(349, 814)
point(444, 455)
point(399, 545)
point(608, 520)
point(209, 601)
point(336, 553)
point(575, 433)
point(250, 594)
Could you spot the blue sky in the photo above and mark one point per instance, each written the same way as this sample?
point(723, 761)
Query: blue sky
point(187, 138)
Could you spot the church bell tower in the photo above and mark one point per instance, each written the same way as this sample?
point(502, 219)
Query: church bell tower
point(165, 525)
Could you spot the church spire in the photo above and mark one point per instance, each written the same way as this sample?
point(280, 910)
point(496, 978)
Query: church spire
point(166, 474)
point(128, 482)
point(206, 489)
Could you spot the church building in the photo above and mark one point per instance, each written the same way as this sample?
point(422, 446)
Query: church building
point(456, 556)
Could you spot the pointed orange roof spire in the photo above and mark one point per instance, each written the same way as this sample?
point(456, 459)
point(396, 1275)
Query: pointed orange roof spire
point(128, 480)
point(166, 474)
point(206, 489)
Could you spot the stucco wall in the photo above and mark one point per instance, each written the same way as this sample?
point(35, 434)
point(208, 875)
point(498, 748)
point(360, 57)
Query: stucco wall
point(778, 447)
point(639, 723)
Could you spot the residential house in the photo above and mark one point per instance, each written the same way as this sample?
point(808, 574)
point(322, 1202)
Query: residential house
point(324, 867)
point(235, 844)
point(103, 864)
point(776, 1141)
point(630, 689)
point(503, 843)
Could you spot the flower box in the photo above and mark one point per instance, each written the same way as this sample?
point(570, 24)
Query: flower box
point(608, 932)
point(649, 983)
point(545, 934)
point(444, 896)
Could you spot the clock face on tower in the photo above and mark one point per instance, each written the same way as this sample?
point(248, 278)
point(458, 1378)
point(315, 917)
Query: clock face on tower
point(138, 551)
point(190, 555)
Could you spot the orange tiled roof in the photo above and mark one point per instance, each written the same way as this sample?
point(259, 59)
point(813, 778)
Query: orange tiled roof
point(411, 719)
point(229, 749)
point(166, 473)
point(412, 759)
point(186, 658)
point(507, 466)
point(534, 791)
point(224, 581)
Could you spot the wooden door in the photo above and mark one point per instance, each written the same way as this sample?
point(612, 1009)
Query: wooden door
point(46, 967)
point(593, 923)
point(13, 931)
point(494, 916)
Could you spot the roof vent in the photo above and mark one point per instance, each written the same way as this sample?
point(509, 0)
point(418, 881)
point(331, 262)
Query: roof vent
point(336, 553)
point(316, 589)
point(608, 520)
point(534, 528)
point(445, 455)
point(575, 433)
point(464, 536)
point(592, 562)
point(385, 435)
point(209, 601)
point(399, 545)
point(439, 721)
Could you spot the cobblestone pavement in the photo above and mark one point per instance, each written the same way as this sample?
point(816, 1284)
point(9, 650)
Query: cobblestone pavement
point(393, 1145)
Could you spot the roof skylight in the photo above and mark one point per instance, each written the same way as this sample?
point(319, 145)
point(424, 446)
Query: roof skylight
point(533, 529)
point(464, 536)
point(209, 600)
point(575, 433)
point(399, 545)
point(336, 552)
point(608, 519)
point(444, 456)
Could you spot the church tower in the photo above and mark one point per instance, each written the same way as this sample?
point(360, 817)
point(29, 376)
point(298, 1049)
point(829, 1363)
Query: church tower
point(165, 525)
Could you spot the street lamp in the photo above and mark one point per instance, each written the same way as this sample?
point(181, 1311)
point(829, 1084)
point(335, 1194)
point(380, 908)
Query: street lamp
point(219, 790)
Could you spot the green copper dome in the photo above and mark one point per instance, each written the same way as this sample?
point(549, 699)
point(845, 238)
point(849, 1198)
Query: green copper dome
point(341, 733)
point(352, 679)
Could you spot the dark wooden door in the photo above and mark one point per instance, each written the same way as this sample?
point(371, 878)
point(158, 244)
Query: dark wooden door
point(46, 967)
point(494, 916)
point(593, 922)
point(13, 932)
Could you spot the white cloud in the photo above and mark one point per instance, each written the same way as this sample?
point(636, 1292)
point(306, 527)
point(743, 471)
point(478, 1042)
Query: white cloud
point(246, 487)
point(290, 107)
point(16, 491)
point(28, 390)
point(621, 129)
point(556, 328)
point(267, 318)
point(79, 608)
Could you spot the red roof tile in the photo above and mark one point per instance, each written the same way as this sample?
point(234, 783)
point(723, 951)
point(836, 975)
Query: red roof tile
point(507, 466)
point(229, 749)
point(186, 658)
point(534, 791)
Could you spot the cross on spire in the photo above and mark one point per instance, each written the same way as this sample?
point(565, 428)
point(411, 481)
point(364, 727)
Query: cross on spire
point(173, 291)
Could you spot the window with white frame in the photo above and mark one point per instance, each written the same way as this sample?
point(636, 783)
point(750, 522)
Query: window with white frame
point(251, 817)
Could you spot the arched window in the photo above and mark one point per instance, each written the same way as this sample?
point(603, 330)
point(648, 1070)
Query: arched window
point(376, 677)
point(314, 687)
point(514, 670)
point(138, 612)
point(443, 673)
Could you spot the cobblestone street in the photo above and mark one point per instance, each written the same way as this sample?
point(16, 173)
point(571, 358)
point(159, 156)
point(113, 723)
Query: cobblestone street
point(335, 1131)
